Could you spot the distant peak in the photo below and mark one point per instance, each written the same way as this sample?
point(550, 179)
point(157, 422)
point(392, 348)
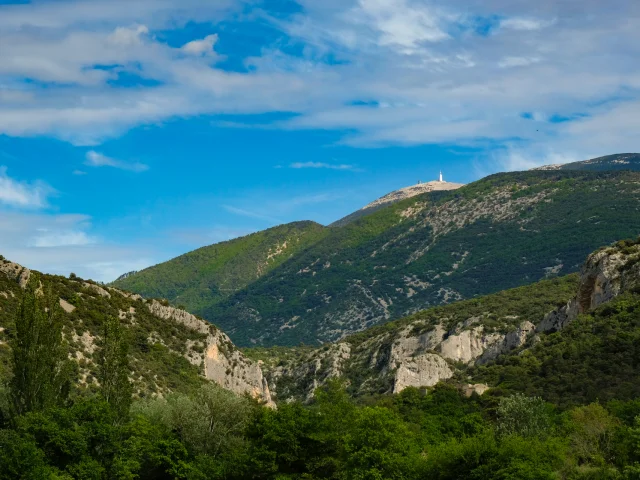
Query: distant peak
point(414, 190)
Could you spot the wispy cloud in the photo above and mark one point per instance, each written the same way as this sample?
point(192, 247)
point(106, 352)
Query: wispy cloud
point(46, 238)
point(21, 194)
point(250, 214)
point(523, 23)
point(95, 159)
point(330, 166)
point(419, 60)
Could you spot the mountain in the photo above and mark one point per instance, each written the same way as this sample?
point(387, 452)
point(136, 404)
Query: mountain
point(202, 278)
point(396, 196)
point(402, 253)
point(501, 232)
point(572, 340)
point(619, 161)
point(171, 350)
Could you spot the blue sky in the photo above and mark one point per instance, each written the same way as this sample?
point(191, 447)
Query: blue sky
point(133, 131)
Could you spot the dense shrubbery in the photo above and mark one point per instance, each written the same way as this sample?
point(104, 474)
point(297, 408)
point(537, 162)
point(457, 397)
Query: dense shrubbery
point(440, 435)
point(595, 358)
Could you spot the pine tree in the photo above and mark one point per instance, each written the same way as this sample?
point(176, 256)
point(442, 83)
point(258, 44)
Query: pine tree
point(41, 370)
point(114, 368)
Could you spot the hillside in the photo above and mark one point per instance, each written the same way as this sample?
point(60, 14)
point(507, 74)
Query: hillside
point(619, 161)
point(170, 349)
point(202, 278)
point(572, 340)
point(501, 232)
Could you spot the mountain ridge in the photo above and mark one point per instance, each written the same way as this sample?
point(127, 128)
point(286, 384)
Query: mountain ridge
point(502, 231)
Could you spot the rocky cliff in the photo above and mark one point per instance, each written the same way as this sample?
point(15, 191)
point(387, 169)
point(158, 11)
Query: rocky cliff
point(162, 335)
point(439, 344)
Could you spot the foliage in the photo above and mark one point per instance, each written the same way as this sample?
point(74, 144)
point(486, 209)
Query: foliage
point(521, 415)
point(41, 373)
point(595, 358)
point(157, 346)
point(114, 367)
point(203, 277)
point(392, 263)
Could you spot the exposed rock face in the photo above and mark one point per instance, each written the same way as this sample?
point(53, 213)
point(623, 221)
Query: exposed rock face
point(422, 371)
point(229, 368)
point(606, 274)
point(510, 341)
point(223, 362)
point(16, 272)
point(478, 388)
point(468, 345)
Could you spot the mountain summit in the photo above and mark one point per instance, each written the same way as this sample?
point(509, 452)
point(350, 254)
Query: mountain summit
point(397, 196)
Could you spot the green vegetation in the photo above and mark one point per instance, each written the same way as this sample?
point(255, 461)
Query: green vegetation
point(619, 161)
point(41, 372)
point(499, 312)
point(595, 358)
point(156, 346)
point(438, 434)
point(501, 232)
point(202, 278)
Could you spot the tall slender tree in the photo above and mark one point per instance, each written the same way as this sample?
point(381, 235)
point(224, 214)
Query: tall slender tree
point(114, 367)
point(41, 369)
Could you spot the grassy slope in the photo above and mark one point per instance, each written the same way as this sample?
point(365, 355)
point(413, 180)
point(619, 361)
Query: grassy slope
point(582, 211)
point(201, 278)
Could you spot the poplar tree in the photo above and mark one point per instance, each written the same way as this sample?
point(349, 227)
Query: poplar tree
point(41, 369)
point(114, 367)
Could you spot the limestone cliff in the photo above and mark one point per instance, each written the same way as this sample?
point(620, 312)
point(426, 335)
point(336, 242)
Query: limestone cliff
point(420, 352)
point(222, 362)
point(156, 324)
point(606, 274)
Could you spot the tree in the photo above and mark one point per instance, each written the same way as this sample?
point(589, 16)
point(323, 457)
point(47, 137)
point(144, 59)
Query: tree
point(41, 369)
point(523, 416)
point(114, 368)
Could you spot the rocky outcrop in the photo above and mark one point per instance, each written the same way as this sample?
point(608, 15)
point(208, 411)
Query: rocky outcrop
point(477, 388)
point(468, 345)
point(508, 342)
point(222, 362)
point(606, 274)
point(422, 371)
point(15, 272)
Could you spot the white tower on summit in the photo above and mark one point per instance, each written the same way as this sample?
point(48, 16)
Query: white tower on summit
point(441, 176)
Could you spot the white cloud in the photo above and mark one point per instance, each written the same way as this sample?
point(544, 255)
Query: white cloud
point(128, 36)
point(61, 244)
point(439, 81)
point(95, 159)
point(508, 62)
point(201, 47)
point(323, 165)
point(47, 239)
point(529, 24)
point(20, 194)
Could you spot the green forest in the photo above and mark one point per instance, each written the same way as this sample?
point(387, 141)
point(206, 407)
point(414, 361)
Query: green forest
point(522, 430)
